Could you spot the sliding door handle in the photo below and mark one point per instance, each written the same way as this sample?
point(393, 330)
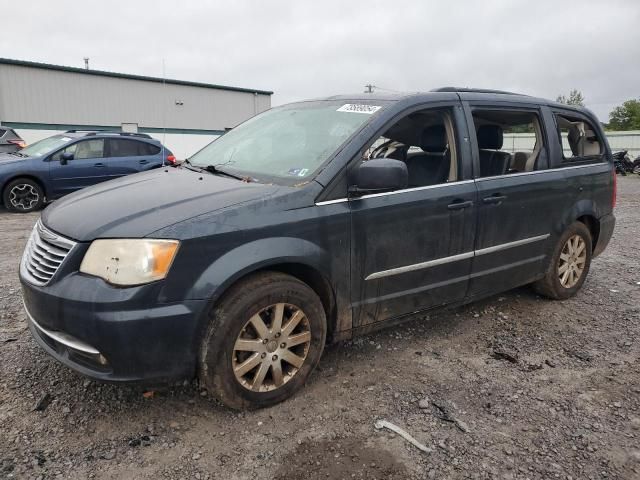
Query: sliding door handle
point(497, 198)
point(460, 205)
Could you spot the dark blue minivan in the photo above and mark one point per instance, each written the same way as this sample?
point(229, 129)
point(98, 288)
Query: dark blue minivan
point(64, 163)
point(314, 222)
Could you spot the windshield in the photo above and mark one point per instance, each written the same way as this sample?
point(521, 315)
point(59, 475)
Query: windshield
point(46, 145)
point(286, 144)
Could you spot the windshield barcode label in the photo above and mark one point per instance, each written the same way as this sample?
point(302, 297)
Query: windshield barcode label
point(354, 108)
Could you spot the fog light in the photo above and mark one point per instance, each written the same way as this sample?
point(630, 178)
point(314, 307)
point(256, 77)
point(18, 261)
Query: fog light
point(102, 360)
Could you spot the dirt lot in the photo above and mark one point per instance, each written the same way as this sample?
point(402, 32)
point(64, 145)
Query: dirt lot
point(566, 406)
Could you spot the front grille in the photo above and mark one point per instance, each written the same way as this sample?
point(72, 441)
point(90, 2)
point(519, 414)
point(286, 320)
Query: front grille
point(43, 255)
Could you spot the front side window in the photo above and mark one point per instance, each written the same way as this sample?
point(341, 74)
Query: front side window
point(425, 141)
point(509, 141)
point(84, 149)
point(579, 139)
point(288, 144)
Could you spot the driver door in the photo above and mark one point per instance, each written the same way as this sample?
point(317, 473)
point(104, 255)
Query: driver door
point(412, 249)
point(86, 167)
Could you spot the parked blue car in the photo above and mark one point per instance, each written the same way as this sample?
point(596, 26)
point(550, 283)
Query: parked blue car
point(64, 163)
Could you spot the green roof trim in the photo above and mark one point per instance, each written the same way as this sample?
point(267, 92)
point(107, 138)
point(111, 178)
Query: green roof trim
point(63, 127)
point(102, 73)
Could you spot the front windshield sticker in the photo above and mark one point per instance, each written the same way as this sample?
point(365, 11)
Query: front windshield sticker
point(355, 108)
point(298, 172)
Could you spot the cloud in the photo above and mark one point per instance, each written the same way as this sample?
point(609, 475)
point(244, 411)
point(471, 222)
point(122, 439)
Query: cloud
point(304, 49)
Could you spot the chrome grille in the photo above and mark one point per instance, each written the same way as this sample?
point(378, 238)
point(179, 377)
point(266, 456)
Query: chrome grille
point(43, 255)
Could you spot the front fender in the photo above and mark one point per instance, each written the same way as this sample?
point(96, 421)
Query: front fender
point(254, 256)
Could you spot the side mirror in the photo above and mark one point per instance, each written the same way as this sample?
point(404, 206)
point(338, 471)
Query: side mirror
point(66, 156)
point(379, 175)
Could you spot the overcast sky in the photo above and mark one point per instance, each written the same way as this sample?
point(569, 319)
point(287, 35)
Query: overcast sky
point(303, 49)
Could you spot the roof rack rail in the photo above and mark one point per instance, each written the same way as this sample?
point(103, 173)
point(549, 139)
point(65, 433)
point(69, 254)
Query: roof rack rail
point(108, 132)
point(474, 90)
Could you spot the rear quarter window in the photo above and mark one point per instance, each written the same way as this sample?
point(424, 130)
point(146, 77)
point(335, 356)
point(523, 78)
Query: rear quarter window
point(121, 147)
point(149, 149)
point(579, 139)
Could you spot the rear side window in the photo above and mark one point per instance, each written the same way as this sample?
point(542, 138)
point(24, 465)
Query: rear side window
point(131, 148)
point(509, 141)
point(579, 139)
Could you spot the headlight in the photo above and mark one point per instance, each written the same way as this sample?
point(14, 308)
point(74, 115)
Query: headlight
point(129, 262)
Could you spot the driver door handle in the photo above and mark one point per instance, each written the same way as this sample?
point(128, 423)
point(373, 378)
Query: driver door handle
point(99, 165)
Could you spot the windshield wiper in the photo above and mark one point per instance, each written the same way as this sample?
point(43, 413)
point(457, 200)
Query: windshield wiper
point(18, 154)
point(214, 170)
point(187, 164)
point(217, 171)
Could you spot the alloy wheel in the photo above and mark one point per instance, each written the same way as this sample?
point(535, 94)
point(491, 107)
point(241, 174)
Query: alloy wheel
point(23, 196)
point(573, 259)
point(271, 347)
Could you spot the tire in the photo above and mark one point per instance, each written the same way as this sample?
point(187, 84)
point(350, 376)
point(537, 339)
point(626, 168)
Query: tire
point(560, 282)
point(636, 166)
point(235, 340)
point(23, 195)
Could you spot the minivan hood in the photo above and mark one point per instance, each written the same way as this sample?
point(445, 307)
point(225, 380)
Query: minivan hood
point(137, 205)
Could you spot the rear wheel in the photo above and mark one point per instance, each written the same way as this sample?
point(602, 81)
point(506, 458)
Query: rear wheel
point(23, 195)
point(263, 341)
point(569, 264)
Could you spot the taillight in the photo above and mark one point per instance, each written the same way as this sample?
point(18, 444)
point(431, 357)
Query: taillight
point(171, 159)
point(20, 143)
point(615, 188)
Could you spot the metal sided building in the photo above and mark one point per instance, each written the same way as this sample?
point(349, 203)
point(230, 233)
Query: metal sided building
point(38, 100)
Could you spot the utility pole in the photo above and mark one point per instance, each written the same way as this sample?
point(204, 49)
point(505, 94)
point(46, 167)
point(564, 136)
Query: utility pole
point(369, 88)
point(86, 63)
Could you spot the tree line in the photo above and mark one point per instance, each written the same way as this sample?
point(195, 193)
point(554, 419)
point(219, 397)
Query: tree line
point(623, 117)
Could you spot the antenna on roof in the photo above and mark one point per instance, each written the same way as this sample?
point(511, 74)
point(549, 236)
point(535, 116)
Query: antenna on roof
point(164, 110)
point(86, 63)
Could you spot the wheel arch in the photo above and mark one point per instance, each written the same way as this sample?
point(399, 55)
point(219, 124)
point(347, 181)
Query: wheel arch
point(29, 176)
point(296, 257)
point(316, 281)
point(593, 224)
point(586, 212)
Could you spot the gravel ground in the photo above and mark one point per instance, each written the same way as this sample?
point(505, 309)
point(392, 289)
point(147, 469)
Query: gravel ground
point(514, 387)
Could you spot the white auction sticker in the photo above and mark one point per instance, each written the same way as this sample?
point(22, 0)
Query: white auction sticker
point(355, 108)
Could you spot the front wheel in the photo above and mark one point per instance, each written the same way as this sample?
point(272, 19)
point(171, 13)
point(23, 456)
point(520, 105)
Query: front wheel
point(569, 265)
point(263, 341)
point(23, 195)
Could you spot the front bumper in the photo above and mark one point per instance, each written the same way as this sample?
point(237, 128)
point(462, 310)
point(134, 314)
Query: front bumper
point(111, 334)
